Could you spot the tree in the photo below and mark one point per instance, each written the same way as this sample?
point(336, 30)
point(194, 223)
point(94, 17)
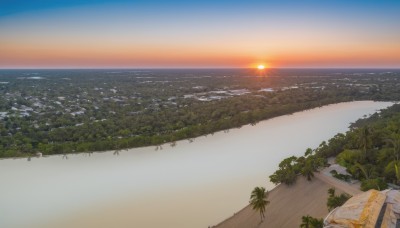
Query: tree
point(308, 152)
point(317, 223)
point(286, 172)
point(308, 171)
point(258, 200)
point(347, 158)
point(336, 201)
point(310, 222)
point(363, 170)
point(394, 140)
point(376, 183)
point(392, 172)
point(363, 140)
point(306, 221)
point(310, 163)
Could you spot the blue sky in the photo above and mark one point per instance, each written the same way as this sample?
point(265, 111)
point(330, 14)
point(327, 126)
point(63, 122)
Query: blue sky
point(18, 6)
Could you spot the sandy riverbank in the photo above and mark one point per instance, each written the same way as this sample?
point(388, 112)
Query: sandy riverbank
point(289, 203)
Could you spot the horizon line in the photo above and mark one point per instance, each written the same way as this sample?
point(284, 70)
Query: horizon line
point(189, 68)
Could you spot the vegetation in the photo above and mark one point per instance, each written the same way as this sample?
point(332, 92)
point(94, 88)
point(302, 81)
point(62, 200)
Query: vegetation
point(310, 222)
point(376, 183)
point(60, 112)
point(340, 176)
point(336, 201)
point(291, 167)
point(369, 151)
point(258, 200)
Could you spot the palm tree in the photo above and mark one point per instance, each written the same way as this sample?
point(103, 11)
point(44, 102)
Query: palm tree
point(335, 201)
point(317, 223)
point(363, 139)
point(394, 140)
point(306, 221)
point(363, 169)
point(318, 162)
point(308, 171)
point(258, 200)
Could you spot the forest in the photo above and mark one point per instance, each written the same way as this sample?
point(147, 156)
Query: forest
point(370, 152)
point(71, 111)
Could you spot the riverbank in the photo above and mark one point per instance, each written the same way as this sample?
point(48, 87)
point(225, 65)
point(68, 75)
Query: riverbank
point(188, 132)
point(289, 203)
point(190, 185)
point(166, 143)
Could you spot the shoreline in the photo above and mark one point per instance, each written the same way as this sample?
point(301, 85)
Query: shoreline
point(189, 138)
point(313, 192)
point(244, 208)
point(133, 187)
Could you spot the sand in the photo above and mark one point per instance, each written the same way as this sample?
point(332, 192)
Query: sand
point(289, 203)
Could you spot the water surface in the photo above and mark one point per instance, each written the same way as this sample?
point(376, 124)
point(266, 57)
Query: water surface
point(190, 185)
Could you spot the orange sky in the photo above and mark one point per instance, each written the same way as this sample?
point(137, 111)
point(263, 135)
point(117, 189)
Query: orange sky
point(33, 55)
point(84, 37)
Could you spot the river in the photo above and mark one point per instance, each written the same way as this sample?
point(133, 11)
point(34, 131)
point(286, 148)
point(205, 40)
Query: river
point(192, 185)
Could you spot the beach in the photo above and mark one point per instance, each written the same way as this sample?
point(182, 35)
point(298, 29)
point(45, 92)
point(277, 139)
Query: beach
point(289, 203)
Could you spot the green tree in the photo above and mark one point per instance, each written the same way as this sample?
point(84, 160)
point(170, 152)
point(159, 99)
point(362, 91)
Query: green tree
point(258, 200)
point(308, 171)
point(394, 141)
point(376, 183)
point(364, 170)
point(310, 222)
point(336, 201)
point(286, 173)
point(364, 140)
point(347, 158)
point(306, 221)
point(317, 223)
point(392, 172)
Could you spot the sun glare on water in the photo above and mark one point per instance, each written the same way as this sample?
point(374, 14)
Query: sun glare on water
point(261, 67)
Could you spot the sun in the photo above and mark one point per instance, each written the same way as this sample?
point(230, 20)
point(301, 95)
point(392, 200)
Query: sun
point(261, 67)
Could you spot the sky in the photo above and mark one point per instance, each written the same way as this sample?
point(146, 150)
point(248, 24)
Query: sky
point(199, 34)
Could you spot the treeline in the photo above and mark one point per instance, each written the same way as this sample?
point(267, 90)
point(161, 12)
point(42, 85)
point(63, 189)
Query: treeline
point(85, 111)
point(370, 151)
point(98, 136)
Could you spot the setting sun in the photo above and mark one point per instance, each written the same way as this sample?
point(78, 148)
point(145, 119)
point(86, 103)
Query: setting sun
point(261, 67)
